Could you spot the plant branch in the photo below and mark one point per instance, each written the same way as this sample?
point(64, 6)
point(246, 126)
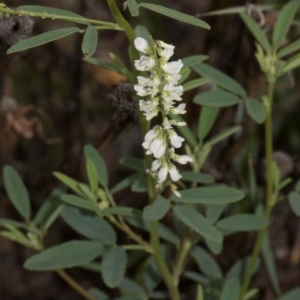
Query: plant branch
point(75, 285)
point(269, 190)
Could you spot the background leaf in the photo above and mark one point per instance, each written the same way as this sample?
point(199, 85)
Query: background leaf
point(255, 110)
point(257, 32)
point(42, 39)
point(216, 98)
point(157, 210)
point(209, 195)
point(291, 295)
point(66, 255)
point(194, 60)
point(242, 222)
point(231, 290)
point(91, 153)
point(220, 78)
point(283, 23)
point(113, 266)
point(207, 119)
point(175, 15)
point(197, 177)
point(89, 224)
point(294, 200)
point(90, 41)
point(133, 7)
point(16, 191)
point(197, 222)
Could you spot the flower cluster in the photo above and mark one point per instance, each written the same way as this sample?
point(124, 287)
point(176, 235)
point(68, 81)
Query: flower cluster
point(161, 87)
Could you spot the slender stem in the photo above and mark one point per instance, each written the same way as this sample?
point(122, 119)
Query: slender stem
point(269, 190)
point(181, 256)
point(81, 20)
point(146, 246)
point(133, 247)
point(75, 285)
point(160, 261)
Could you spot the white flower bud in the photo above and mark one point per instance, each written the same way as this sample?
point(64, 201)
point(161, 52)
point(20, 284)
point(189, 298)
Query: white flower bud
point(142, 45)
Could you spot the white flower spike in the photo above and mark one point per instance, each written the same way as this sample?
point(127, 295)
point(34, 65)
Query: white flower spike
point(162, 89)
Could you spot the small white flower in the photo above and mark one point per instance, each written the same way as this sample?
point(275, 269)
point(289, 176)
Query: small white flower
point(158, 147)
point(183, 159)
point(172, 67)
point(175, 176)
point(162, 174)
point(155, 165)
point(172, 78)
point(177, 194)
point(165, 54)
point(150, 108)
point(171, 92)
point(145, 63)
point(175, 139)
point(164, 45)
point(179, 110)
point(142, 45)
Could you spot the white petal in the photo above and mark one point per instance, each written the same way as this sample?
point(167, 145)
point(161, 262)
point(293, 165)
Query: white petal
point(174, 173)
point(183, 159)
point(175, 139)
point(150, 135)
point(155, 165)
point(142, 45)
point(162, 174)
point(164, 45)
point(172, 67)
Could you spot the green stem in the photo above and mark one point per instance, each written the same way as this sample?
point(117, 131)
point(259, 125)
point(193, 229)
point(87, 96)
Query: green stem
point(269, 190)
point(160, 261)
point(81, 20)
point(75, 285)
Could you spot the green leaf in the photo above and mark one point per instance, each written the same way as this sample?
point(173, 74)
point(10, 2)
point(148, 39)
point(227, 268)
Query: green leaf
point(255, 110)
point(92, 175)
point(98, 294)
point(131, 287)
point(134, 297)
point(270, 263)
point(42, 39)
point(207, 119)
point(291, 64)
point(16, 191)
point(295, 46)
point(91, 153)
point(113, 266)
point(197, 277)
point(216, 98)
point(242, 222)
point(52, 218)
point(283, 23)
point(48, 206)
point(213, 246)
point(223, 135)
point(205, 262)
point(152, 276)
point(294, 200)
point(103, 64)
point(197, 222)
point(184, 73)
point(140, 185)
point(231, 290)
point(90, 41)
point(69, 182)
point(214, 212)
point(133, 8)
point(193, 60)
point(126, 182)
point(209, 195)
point(175, 15)
point(133, 163)
point(185, 131)
point(123, 211)
point(89, 225)
point(291, 295)
point(157, 210)
point(4, 221)
point(142, 31)
point(81, 203)
point(66, 255)
point(194, 83)
point(220, 78)
point(49, 10)
point(197, 177)
point(257, 32)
